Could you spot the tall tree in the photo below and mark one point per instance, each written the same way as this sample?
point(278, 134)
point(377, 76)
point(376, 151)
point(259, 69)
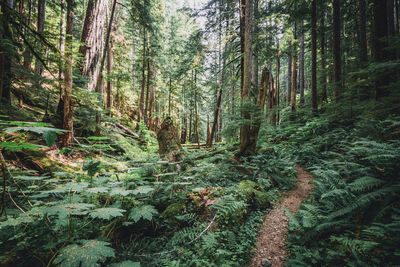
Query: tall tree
point(68, 123)
point(41, 13)
point(92, 39)
point(247, 142)
point(337, 60)
point(294, 72)
point(301, 63)
point(141, 99)
point(362, 31)
point(289, 74)
point(99, 82)
point(314, 99)
point(324, 95)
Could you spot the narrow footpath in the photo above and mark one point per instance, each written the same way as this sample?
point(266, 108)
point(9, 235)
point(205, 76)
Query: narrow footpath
point(271, 247)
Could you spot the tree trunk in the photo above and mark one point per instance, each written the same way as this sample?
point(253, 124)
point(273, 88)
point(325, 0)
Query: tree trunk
point(133, 63)
point(151, 100)
point(324, 95)
point(40, 28)
point(170, 96)
point(27, 53)
point(109, 70)
point(246, 137)
point(362, 32)
point(314, 98)
point(278, 80)
point(301, 71)
point(262, 93)
point(99, 82)
point(141, 100)
point(390, 17)
point(147, 89)
point(337, 60)
point(294, 73)
point(68, 123)
point(6, 75)
point(289, 74)
point(92, 39)
point(196, 111)
point(272, 100)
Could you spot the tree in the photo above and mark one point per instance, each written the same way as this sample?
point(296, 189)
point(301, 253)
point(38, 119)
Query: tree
point(301, 63)
point(294, 73)
point(40, 28)
point(337, 60)
point(314, 99)
point(92, 39)
point(68, 123)
point(247, 142)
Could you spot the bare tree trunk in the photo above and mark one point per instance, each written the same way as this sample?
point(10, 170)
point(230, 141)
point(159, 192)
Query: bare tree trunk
point(337, 64)
point(301, 63)
point(289, 74)
point(6, 75)
point(246, 137)
point(99, 82)
point(390, 17)
point(68, 123)
point(294, 73)
point(151, 100)
point(196, 110)
point(27, 53)
point(272, 99)
point(170, 96)
point(40, 28)
point(141, 100)
point(278, 79)
point(92, 38)
point(133, 63)
point(109, 70)
point(260, 108)
point(147, 89)
point(362, 32)
point(314, 98)
point(323, 52)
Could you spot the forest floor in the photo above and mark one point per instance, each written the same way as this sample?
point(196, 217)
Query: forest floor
point(271, 242)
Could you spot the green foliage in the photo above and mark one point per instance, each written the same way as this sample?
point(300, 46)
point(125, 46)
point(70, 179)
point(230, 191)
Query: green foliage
point(85, 253)
point(146, 212)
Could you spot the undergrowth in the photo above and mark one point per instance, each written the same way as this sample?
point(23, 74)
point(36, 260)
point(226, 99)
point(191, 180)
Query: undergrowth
point(127, 207)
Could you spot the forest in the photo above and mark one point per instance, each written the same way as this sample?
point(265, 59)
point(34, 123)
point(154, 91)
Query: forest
point(199, 133)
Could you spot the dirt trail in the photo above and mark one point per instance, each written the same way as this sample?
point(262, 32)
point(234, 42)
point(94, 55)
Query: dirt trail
point(271, 241)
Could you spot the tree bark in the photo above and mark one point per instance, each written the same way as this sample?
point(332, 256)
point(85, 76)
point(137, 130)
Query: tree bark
point(301, 63)
point(362, 32)
point(6, 74)
point(141, 100)
point(40, 28)
point(289, 74)
point(196, 110)
point(92, 38)
point(278, 79)
point(246, 137)
point(68, 123)
point(337, 60)
point(294, 73)
point(99, 82)
point(390, 17)
point(324, 95)
point(109, 84)
point(314, 98)
point(147, 89)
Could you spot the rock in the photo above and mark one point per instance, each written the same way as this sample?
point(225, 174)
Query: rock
point(266, 263)
point(168, 141)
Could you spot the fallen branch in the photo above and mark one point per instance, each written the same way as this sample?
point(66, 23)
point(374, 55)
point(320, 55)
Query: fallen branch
point(127, 130)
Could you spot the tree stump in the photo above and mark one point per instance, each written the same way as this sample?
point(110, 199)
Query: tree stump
point(168, 141)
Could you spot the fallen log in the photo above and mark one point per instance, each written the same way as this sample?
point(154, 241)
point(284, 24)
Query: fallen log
point(127, 130)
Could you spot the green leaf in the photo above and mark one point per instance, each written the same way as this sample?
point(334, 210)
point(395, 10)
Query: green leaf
point(106, 213)
point(50, 137)
point(145, 212)
point(96, 190)
point(142, 190)
point(16, 146)
point(126, 264)
point(120, 191)
point(85, 253)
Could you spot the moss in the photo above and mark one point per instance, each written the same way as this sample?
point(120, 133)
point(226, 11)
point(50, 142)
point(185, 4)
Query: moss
point(173, 210)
